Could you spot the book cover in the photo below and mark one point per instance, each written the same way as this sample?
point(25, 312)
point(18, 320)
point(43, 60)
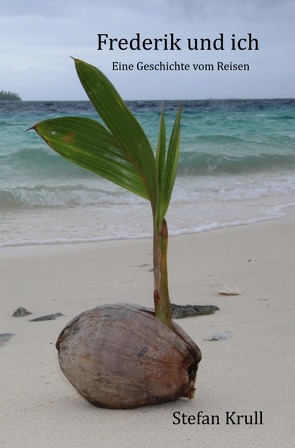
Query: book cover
point(71, 240)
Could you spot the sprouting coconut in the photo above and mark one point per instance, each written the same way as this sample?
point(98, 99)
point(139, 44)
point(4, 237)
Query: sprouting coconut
point(125, 356)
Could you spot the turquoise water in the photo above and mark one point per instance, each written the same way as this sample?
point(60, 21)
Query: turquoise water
point(237, 166)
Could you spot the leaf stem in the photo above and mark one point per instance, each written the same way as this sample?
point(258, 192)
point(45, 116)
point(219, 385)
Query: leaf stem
point(161, 292)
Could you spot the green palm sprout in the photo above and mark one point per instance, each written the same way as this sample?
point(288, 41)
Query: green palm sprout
point(121, 153)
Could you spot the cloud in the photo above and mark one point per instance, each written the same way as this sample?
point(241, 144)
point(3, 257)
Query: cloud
point(255, 10)
point(36, 39)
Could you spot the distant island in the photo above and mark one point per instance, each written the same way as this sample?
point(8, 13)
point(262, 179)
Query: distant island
point(9, 96)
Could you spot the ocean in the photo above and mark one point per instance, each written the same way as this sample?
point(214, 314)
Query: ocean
point(237, 166)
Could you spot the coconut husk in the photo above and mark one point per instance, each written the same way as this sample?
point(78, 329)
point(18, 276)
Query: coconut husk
point(122, 356)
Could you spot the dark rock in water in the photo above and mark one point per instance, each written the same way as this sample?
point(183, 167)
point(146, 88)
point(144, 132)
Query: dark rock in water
point(48, 317)
point(181, 311)
point(21, 312)
point(5, 337)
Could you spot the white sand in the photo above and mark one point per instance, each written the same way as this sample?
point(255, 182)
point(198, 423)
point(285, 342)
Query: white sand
point(253, 370)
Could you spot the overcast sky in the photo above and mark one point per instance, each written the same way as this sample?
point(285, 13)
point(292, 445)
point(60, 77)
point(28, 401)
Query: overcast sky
point(38, 36)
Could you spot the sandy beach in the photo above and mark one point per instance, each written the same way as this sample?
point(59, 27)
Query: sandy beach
point(250, 373)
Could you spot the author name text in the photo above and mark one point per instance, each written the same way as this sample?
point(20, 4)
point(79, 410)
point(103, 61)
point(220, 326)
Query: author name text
point(229, 418)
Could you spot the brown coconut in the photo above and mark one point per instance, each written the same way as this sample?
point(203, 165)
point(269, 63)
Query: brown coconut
point(121, 356)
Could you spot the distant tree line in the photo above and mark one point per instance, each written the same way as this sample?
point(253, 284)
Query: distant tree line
point(9, 96)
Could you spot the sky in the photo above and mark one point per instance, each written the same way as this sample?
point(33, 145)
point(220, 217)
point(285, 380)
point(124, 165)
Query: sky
point(38, 36)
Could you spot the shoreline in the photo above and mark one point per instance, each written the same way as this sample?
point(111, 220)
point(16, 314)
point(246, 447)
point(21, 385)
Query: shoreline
point(248, 373)
point(277, 215)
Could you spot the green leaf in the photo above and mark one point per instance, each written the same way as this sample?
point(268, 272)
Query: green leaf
point(161, 150)
point(121, 123)
point(171, 161)
point(160, 165)
point(120, 152)
point(167, 163)
point(88, 144)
